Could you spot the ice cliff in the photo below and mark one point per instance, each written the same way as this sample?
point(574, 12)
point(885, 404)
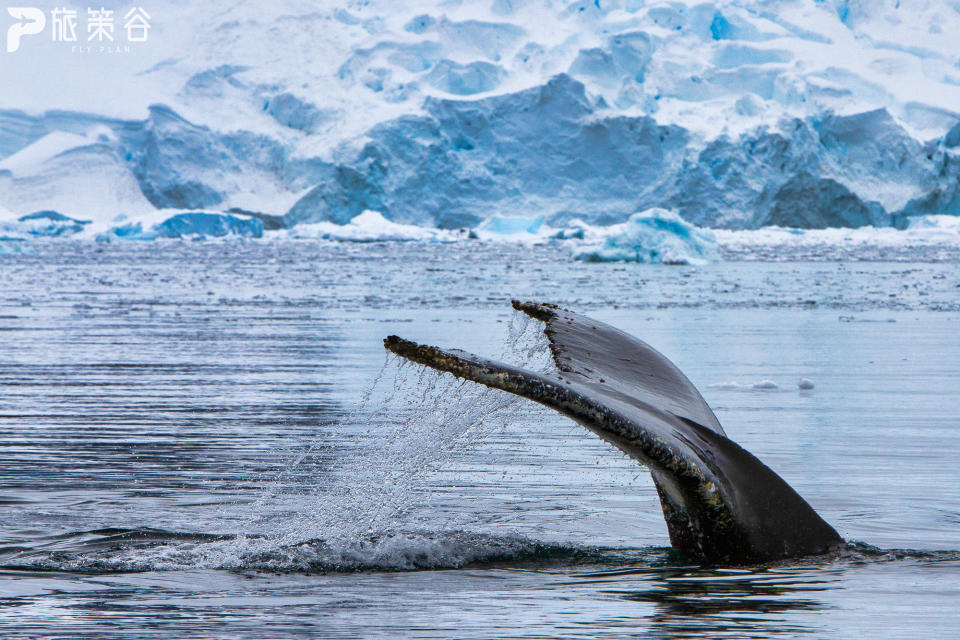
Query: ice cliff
point(734, 114)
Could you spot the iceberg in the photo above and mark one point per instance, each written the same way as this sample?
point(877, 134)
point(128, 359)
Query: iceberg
point(512, 227)
point(214, 225)
point(191, 224)
point(369, 226)
point(48, 224)
point(653, 236)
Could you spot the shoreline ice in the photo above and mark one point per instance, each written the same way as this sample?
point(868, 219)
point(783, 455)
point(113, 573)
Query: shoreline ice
point(653, 236)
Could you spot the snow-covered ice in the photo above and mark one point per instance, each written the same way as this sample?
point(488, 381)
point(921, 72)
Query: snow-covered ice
point(741, 114)
point(185, 224)
point(369, 226)
point(655, 235)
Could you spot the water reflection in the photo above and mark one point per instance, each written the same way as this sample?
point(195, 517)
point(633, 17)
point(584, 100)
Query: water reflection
point(755, 603)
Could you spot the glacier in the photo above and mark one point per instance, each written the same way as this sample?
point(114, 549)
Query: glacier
point(509, 119)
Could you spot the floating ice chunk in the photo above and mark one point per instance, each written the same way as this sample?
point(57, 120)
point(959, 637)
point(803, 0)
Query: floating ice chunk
point(654, 235)
point(369, 226)
point(805, 384)
point(191, 224)
point(50, 224)
point(572, 232)
point(209, 224)
point(510, 225)
point(728, 386)
point(762, 385)
point(940, 222)
point(45, 224)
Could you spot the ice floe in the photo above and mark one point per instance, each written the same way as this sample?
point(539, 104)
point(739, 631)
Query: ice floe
point(655, 236)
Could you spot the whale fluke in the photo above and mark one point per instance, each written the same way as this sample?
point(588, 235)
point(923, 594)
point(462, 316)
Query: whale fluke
point(721, 504)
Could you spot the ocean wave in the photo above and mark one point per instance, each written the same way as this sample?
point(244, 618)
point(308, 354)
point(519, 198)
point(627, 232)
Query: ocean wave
point(140, 550)
point(110, 551)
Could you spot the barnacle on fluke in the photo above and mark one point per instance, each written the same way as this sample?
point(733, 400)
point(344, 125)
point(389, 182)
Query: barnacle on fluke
point(721, 504)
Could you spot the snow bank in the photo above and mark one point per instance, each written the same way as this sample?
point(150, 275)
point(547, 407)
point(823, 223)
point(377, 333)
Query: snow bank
point(655, 236)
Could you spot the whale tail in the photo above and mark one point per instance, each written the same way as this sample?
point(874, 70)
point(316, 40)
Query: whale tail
point(721, 504)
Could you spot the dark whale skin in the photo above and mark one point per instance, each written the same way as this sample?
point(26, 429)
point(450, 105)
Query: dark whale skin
point(721, 504)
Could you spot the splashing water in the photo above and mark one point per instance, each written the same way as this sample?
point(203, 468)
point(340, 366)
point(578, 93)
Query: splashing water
point(424, 419)
point(372, 509)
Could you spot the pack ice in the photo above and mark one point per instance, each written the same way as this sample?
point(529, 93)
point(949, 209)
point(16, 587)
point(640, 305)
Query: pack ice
point(496, 116)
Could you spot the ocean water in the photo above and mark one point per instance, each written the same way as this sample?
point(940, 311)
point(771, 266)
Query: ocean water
point(207, 440)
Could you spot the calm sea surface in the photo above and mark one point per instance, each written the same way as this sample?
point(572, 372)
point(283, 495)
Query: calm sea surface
point(206, 440)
